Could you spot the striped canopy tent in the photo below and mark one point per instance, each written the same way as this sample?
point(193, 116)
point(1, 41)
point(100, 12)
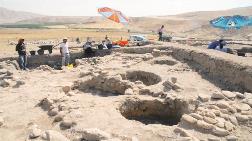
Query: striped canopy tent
point(113, 15)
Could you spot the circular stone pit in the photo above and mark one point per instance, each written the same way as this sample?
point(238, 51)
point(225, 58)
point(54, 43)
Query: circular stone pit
point(148, 78)
point(153, 111)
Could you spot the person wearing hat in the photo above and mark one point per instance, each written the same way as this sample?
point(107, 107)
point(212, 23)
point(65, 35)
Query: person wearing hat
point(64, 51)
point(21, 49)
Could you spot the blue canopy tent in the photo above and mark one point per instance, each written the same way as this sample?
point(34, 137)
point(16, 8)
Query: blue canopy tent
point(250, 21)
point(231, 22)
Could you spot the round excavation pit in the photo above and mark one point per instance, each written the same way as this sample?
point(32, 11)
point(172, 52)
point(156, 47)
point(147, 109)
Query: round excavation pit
point(165, 62)
point(153, 111)
point(148, 78)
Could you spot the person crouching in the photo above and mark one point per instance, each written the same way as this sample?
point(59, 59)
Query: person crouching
point(88, 51)
point(64, 51)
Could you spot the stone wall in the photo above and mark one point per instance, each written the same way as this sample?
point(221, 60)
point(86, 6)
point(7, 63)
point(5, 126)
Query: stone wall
point(233, 72)
point(54, 59)
point(225, 70)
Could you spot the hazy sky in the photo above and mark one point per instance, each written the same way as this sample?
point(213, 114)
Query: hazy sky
point(128, 7)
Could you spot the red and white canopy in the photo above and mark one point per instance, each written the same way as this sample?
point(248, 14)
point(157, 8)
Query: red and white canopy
point(113, 15)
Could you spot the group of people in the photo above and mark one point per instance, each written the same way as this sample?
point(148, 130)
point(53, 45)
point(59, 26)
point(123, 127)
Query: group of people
point(105, 44)
point(64, 51)
point(216, 45)
point(89, 52)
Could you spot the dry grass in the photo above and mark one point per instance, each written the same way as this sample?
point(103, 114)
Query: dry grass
point(31, 35)
point(42, 34)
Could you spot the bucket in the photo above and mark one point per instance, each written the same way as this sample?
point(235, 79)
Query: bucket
point(70, 66)
point(241, 54)
point(32, 53)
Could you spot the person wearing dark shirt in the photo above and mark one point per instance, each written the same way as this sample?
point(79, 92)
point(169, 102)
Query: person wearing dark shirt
point(160, 33)
point(220, 43)
point(88, 51)
point(21, 49)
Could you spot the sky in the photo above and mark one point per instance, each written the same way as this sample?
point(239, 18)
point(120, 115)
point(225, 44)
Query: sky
point(128, 7)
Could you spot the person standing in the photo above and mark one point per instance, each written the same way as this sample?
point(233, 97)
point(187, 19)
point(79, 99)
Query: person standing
point(64, 51)
point(108, 42)
point(160, 33)
point(21, 49)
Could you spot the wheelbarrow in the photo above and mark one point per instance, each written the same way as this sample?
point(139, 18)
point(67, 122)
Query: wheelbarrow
point(42, 49)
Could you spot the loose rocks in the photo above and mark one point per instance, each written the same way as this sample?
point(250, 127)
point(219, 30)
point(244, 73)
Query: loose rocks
point(223, 105)
point(51, 135)
point(1, 121)
point(217, 95)
point(229, 94)
point(243, 107)
point(232, 138)
point(95, 135)
point(53, 112)
point(66, 89)
point(229, 126)
point(204, 98)
point(35, 132)
point(220, 132)
point(241, 118)
point(67, 124)
point(204, 125)
point(129, 91)
point(59, 117)
point(197, 116)
point(189, 119)
point(210, 120)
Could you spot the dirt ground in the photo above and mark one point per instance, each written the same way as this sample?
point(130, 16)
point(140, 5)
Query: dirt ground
point(129, 97)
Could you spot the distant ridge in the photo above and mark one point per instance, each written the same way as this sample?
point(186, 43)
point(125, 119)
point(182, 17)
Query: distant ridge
point(192, 24)
point(11, 16)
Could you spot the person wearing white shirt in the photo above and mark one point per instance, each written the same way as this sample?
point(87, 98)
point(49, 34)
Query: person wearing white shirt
point(64, 51)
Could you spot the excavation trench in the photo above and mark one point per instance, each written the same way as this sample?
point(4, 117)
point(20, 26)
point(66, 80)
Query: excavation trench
point(153, 111)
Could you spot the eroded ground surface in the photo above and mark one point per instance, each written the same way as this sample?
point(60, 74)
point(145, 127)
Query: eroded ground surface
point(129, 97)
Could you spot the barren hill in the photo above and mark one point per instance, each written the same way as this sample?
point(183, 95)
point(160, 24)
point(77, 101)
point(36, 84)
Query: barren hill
point(193, 24)
point(207, 15)
point(11, 16)
point(58, 20)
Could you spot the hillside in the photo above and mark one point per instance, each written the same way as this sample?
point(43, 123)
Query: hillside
point(193, 24)
point(11, 16)
point(208, 15)
point(58, 19)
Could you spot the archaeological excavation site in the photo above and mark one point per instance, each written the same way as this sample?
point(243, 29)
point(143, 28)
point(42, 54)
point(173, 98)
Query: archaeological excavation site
point(163, 92)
